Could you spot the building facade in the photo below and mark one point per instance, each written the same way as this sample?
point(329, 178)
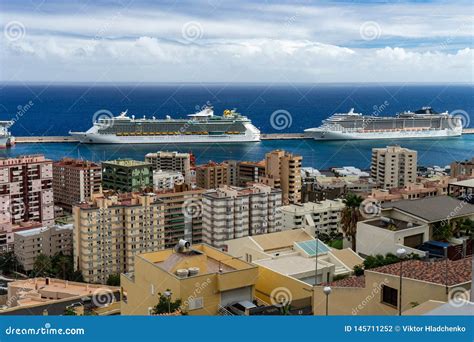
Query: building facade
point(44, 240)
point(324, 216)
point(126, 175)
point(171, 161)
point(212, 175)
point(283, 171)
point(393, 166)
point(204, 279)
point(462, 168)
point(26, 191)
point(109, 231)
point(75, 181)
point(233, 212)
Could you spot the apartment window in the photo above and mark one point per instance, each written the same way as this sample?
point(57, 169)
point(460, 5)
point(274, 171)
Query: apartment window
point(197, 303)
point(389, 296)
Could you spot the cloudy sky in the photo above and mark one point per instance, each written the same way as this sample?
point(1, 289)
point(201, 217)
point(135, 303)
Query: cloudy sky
point(236, 41)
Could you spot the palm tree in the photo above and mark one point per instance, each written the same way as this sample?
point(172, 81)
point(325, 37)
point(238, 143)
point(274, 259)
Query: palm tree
point(42, 266)
point(350, 216)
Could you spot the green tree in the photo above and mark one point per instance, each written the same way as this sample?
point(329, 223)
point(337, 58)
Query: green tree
point(9, 263)
point(62, 266)
point(113, 280)
point(166, 304)
point(442, 231)
point(42, 266)
point(350, 216)
point(70, 312)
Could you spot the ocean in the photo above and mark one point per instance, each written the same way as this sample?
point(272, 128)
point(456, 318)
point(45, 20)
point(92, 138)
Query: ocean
point(42, 109)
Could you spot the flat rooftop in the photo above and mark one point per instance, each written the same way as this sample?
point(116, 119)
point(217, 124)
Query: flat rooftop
point(281, 240)
point(393, 224)
point(433, 209)
point(212, 265)
point(291, 264)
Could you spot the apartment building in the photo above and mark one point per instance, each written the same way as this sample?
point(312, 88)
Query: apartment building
point(26, 191)
point(166, 180)
point(43, 240)
point(110, 230)
point(324, 216)
point(171, 161)
point(283, 171)
point(234, 212)
point(182, 215)
point(393, 166)
point(127, 175)
point(205, 279)
point(75, 181)
point(211, 175)
point(462, 168)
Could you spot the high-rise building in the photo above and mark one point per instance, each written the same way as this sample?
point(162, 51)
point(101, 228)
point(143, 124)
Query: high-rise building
point(26, 191)
point(393, 166)
point(126, 175)
point(182, 215)
point(250, 172)
point(75, 181)
point(171, 161)
point(211, 175)
point(324, 216)
point(462, 168)
point(283, 171)
point(110, 230)
point(233, 212)
point(43, 240)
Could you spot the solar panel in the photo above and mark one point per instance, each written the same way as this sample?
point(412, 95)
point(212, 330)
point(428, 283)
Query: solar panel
point(309, 247)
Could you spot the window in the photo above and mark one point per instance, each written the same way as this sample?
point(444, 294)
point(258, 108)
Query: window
point(389, 295)
point(197, 303)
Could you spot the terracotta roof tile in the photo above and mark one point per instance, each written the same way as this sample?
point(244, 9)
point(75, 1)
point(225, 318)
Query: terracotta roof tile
point(459, 271)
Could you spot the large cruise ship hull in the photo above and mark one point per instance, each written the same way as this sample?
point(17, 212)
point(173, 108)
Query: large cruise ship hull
point(320, 134)
point(94, 138)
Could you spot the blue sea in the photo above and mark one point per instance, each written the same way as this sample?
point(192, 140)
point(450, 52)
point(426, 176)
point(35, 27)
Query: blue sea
point(54, 109)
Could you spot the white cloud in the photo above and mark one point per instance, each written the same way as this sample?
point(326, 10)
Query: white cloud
point(251, 43)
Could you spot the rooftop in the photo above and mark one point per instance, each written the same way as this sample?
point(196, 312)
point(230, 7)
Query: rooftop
point(76, 163)
point(126, 162)
point(347, 282)
point(433, 209)
point(391, 224)
point(39, 230)
point(207, 259)
point(459, 271)
point(281, 240)
point(465, 183)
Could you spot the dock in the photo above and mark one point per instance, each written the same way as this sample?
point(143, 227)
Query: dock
point(68, 139)
point(271, 136)
point(45, 139)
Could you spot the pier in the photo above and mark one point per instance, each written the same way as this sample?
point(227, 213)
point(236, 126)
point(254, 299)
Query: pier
point(271, 136)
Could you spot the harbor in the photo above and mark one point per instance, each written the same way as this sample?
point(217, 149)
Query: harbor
point(70, 139)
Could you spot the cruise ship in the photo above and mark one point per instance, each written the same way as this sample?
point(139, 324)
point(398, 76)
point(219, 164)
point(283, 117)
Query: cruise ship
point(423, 123)
point(6, 138)
point(201, 127)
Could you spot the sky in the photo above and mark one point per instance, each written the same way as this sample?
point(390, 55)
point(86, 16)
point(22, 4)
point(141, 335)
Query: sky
point(236, 41)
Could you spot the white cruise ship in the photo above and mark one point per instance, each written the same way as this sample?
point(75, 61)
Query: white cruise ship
point(424, 123)
point(201, 127)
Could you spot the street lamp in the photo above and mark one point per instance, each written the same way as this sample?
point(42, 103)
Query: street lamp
point(168, 296)
point(401, 253)
point(327, 291)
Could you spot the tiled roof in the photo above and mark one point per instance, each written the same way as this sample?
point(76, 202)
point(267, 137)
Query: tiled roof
point(459, 271)
point(347, 282)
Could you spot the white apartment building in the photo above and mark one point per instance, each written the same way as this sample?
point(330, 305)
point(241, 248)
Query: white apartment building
point(232, 212)
point(171, 161)
point(393, 166)
point(164, 180)
point(325, 216)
